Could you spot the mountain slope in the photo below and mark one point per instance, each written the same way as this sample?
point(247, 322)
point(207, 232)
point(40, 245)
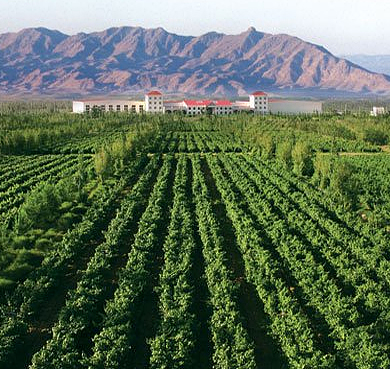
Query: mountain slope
point(134, 59)
point(374, 63)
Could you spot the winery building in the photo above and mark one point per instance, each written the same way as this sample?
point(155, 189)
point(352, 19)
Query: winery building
point(154, 103)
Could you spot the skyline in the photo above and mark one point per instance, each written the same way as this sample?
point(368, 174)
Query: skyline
point(343, 27)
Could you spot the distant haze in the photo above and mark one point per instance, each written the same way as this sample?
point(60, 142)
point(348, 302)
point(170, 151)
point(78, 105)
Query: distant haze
point(374, 63)
point(344, 27)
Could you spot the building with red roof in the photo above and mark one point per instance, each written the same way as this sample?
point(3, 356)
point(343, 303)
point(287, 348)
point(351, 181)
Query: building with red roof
point(258, 93)
point(154, 102)
point(154, 93)
point(258, 103)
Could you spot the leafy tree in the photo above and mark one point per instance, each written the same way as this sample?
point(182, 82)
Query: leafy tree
point(40, 208)
point(283, 153)
point(302, 159)
point(103, 164)
point(375, 136)
point(343, 184)
point(267, 145)
point(322, 170)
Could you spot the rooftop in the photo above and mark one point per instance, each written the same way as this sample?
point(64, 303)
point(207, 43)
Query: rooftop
point(223, 103)
point(154, 93)
point(258, 93)
point(197, 102)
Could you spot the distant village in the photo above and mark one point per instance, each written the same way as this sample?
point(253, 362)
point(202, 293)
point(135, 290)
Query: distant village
point(154, 103)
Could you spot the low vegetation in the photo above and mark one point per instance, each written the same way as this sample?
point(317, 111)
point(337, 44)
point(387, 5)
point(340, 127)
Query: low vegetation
point(174, 242)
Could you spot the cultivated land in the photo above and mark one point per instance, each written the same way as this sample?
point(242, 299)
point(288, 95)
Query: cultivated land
point(134, 241)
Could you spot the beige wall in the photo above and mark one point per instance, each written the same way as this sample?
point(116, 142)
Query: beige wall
point(109, 105)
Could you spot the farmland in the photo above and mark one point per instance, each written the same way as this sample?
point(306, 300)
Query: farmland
point(169, 242)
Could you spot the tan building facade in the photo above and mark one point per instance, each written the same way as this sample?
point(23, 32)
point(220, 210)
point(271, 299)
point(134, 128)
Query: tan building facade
point(118, 106)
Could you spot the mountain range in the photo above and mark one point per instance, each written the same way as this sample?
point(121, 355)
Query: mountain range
point(135, 59)
point(374, 63)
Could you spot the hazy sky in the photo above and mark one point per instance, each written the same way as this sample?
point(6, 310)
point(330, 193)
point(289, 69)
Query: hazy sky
point(342, 26)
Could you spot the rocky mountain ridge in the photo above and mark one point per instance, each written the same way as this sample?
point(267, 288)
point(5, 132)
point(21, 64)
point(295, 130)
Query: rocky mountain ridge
point(134, 59)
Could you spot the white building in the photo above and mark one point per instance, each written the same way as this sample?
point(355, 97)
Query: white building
point(197, 107)
point(154, 102)
point(174, 107)
point(259, 102)
point(276, 106)
point(86, 106)
point(378, 110)
point(222, 107)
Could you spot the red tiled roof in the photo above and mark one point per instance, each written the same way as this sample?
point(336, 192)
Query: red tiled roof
point(259, 93)
point(154, 93)
point(223, 103)
point(197, 102)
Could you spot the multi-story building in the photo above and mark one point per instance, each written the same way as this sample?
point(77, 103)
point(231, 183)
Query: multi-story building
point(258, 101)
point(154, 103)
point(196, 107)
point(222, 107)
point(87, 106)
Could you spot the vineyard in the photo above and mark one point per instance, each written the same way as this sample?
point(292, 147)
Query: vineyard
point(150, 242)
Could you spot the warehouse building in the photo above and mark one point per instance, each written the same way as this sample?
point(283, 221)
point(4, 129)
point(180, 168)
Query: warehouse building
point(276, 106)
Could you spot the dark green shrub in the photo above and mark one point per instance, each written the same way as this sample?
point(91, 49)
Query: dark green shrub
point(66, 220)
point(17, 272)
point(23, 242)
point(375, 136)
point(343, 184)
point(43, 244)
point(6, 284)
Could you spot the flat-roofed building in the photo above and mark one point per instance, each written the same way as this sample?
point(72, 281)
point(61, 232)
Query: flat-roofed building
point(137, 107)
point(221, 107)
point(171, 107)
point(87, 106)
point(278, 106)
point(378, 110)
point(242, 106)
point(197, 107)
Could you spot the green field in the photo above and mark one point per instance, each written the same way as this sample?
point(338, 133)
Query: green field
point(171, 242)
